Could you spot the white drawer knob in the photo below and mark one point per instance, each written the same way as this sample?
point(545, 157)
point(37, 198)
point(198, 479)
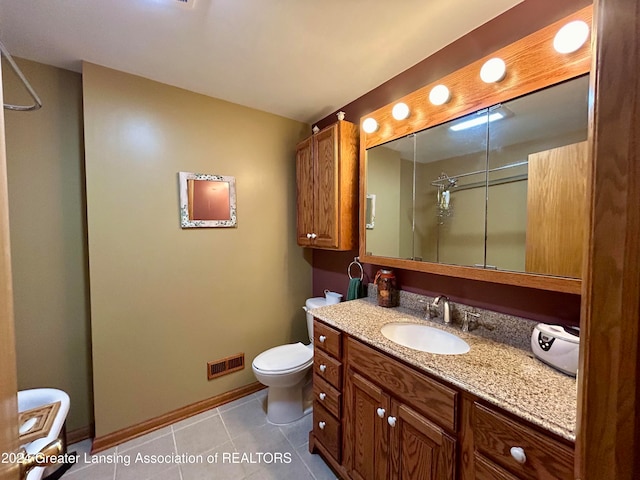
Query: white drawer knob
point(323, 368)
point(518, 455)
point(391, 421)
point(322, 425)
point(322, 338)
point(313, 235)
point(381, 412)
point(308, 235)
point(322, 395)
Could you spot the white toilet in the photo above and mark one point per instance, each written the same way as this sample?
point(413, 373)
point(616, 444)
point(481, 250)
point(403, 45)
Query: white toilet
point(286, 370)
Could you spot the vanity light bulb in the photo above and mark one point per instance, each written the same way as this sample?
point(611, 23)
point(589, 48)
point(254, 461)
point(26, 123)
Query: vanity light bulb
point(369, 125)
point(493, 70)
point(571, 37)
point(400, 111)
point(439, 95)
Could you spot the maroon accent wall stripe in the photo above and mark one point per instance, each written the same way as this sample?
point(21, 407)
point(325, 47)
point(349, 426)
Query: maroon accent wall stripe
point(330, 268)
point(514, 24)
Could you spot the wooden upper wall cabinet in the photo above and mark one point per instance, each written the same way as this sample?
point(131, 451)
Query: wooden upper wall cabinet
point(327, 188)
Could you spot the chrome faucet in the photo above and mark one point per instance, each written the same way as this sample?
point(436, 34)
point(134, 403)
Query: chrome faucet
point(446, 307)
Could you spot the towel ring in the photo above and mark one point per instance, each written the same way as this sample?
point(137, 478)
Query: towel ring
point(357, 264)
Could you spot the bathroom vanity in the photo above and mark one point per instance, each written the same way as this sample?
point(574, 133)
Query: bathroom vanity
point(382, 410)
point(476, 177)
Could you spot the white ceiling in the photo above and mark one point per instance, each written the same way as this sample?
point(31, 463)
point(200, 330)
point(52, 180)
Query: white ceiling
point(296, 58)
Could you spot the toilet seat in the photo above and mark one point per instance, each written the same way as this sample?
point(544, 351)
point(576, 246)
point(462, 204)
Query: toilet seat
point(284, 359)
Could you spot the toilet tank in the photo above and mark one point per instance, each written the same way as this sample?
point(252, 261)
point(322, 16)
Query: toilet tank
point(309, 305)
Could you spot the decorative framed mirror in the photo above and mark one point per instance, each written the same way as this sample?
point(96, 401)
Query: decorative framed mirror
point(207, 200)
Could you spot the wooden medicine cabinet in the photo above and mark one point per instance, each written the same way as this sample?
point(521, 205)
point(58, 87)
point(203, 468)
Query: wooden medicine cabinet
point(490, 185)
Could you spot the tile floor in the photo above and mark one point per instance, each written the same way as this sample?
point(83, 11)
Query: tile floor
point(231, 442)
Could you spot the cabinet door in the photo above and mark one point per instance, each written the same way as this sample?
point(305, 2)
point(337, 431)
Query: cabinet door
point(419, 448)
point(556, 209)
point(367, 434)
point(325, 197)
point(304, 176)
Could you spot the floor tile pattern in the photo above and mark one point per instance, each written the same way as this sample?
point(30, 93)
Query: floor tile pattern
point(231, 442)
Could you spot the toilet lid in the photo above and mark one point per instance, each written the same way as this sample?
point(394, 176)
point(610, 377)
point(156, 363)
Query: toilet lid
point(284, 357)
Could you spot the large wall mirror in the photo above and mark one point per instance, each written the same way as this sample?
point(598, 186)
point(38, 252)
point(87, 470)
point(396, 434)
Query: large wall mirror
point(501, 190)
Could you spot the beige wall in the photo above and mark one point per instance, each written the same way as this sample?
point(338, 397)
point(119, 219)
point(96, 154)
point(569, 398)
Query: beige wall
point(383, 181)
point(390, 179)
point(48, 236)
point(406, 208)
point(164, 300)
point(461, 235)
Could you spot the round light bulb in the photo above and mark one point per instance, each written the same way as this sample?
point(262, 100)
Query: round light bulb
point(493, 70)
point(571, 37)
point(400, 111)
point(369, 125)
point(439, 95)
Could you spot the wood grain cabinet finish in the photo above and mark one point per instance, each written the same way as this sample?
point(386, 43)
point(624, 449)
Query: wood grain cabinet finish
point(326, 436)
point(377, 418)
point(383, 436)
point(429, 397)
point(486, 470)
point(327, 188)
point(539, 457)
point(366, 444)
point(327, 396)
point(327, 430)
point(419, 448)
point(327, 368)
point(556, 211)
point(327, 339)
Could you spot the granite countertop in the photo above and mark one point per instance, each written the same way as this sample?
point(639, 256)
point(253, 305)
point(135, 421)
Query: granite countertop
point(503, 375)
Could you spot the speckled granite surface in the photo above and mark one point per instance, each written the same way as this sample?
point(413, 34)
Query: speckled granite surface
point(501, 374)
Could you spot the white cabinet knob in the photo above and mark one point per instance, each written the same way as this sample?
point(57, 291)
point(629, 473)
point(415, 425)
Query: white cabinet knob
point(308, 235)
point(380, 412)
point(313, 235)
point(322, 338)
point(322, 425)
point(518, 455)
point(323, 368)
point(391, 421)
point(322, 395)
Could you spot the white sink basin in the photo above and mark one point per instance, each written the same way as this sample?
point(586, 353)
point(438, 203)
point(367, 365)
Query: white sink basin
point(425, 338)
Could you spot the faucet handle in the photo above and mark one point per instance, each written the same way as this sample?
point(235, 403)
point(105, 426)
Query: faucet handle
point(469, 323)
point(428, 309)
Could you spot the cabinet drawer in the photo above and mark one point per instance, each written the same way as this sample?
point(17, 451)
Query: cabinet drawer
point(495, 435)
point(327, 430)
point(487, 470)
point(326, 395)
point(429, 397)
point(327, 368)
point(327, 339)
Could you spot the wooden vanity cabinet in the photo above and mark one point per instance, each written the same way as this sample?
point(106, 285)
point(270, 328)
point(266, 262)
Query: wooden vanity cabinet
point(327, 188)
point(515, 450)
point(326, 435)
point(391, 420)
point(377, 418)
